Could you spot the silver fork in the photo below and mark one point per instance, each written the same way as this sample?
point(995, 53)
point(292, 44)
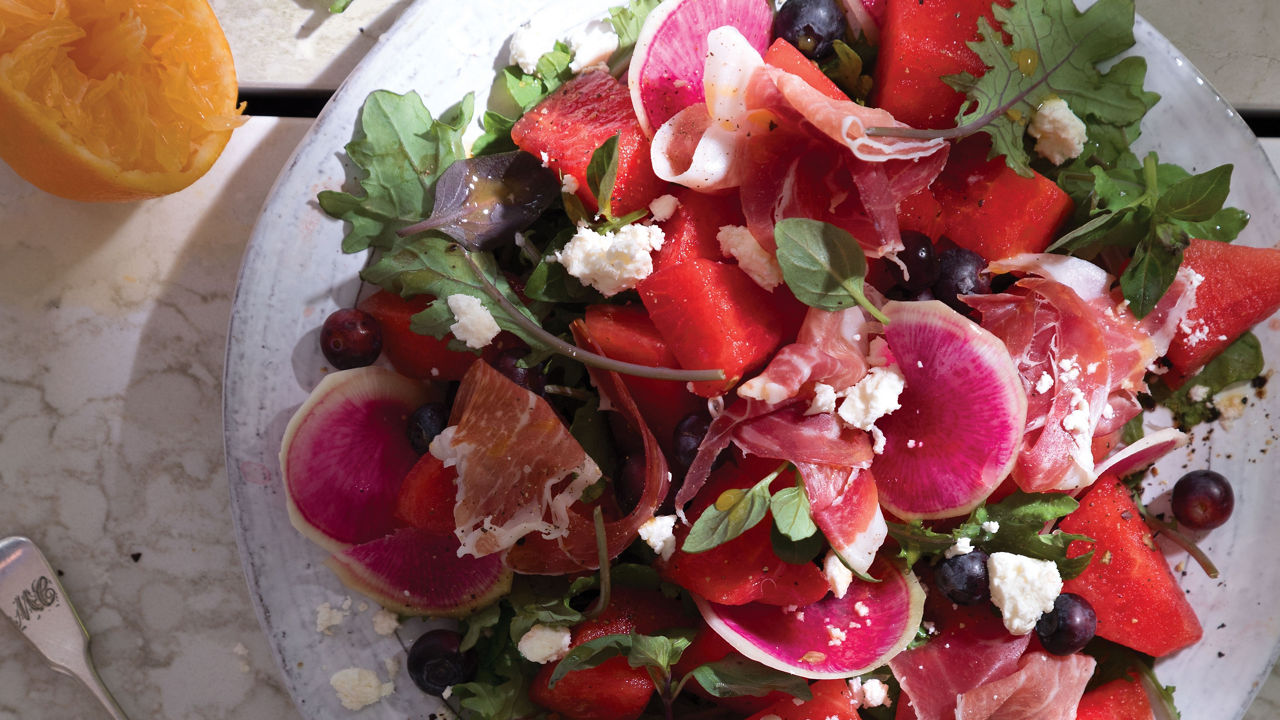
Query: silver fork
point(34, 600)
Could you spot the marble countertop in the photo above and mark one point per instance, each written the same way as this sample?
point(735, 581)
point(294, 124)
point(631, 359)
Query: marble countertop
point(112, 332)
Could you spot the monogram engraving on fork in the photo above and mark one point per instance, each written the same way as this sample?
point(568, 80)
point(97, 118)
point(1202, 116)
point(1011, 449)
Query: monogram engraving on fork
point(30, 603)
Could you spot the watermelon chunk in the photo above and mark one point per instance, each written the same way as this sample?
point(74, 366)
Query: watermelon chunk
point(920, 41)
point(745, 569)
point(713, 315)
point(624, 332)
point(784, 56)
point(568, 126)
point(1121, 699)
point(1241, 288)
point(417, 356)
point(707, 647)
point(922, 213)
point(832, 700)
point(1128, 582)
point(992, 210)
point(612, 690)
point(427, 496)
point(691, 231)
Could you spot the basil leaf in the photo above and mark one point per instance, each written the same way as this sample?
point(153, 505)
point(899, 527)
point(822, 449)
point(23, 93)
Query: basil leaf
point(602, 173)
point(822, 264)
point(1198, 197)
point(796, 552)
point(733, 513)
point(1242, 360)
point(591, 429)
point(656, 651)
point(590, 654)
point(627, 21)
point(1149, 274)
point(1132, 431)
point(790, 509)
point(735, 675)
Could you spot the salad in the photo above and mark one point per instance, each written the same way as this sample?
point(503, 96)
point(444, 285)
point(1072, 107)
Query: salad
point(758, 365)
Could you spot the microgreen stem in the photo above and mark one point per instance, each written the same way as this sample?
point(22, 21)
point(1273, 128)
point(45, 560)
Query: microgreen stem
point(602, 554)
point(586, 357)
point(972, 126)
point(1170, 531)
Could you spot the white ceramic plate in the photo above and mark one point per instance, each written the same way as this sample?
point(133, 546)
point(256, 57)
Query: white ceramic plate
point(294, 275)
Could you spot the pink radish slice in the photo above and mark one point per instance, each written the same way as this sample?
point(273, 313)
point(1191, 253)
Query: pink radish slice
point(415, 572)
point(345, 454)
point(1136, 456)
point(832, 638)
point(962, 418)
point(665, 76)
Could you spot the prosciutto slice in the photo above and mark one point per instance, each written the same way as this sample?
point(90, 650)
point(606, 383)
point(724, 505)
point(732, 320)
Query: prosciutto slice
point(518, 467)
point(844, 504)
point(1044, 687)
point(576, 550)
point(973, 649)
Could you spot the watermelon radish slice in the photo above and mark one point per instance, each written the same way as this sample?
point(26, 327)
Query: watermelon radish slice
point(1144, 452)
point(416, 572)
point(832, 638)
point(962, 415)
point(345, 454)
point(667, 66)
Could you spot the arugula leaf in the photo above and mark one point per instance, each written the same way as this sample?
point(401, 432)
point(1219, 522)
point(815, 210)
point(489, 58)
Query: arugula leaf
point(655, 651)
point(823, 265)
point(627, 21)
point(790, 509)
point(476, 623)
point(591, 429)
point(1117, 662)
point(1242, 360)
point(1152, 210)
point(845, 68)
point(733, 513)
point(481, 202)
point(1022, 518)
point(428, 265)
point(1132, 431)
point(735, 676)
point(500, 689)
point(400, 148)
point(1055, 50)
point(515, 91)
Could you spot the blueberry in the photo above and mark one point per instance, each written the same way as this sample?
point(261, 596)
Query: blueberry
point(812, 26)
point(1203, 500)
point(960, 272)
point(350, 338)
point(529, 378)
point(425, 424)
point(435, 662)
point(963, 578)
point(689, 433)
point(1069, 626)
point(920, 261)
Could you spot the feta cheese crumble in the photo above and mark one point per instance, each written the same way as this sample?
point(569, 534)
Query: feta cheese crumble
point(663, 207)
point(873, 397)
point(528, 43)
point(1023, 588)
point(359, 688)
point(869, 693)
point(592, 44)
point(658, 532)
point(613, 261)
point(824, 399)
point(761, 265)
point(1059, 134)
point(1044, 383)
point(991, 526)
point(839, 576)
point(474, 326)
point(544, 643)
point(385, 622)
point(1198, 393)
point(328, 617)
point(963, 546)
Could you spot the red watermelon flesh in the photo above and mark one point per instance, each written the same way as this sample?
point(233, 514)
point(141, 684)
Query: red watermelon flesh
point(745, 569)
point(427, 496)
point(784, 56)
point(1128, 582)
point(1122, 699)
point(920, 41)
point(832, 700)
point(714, 316)
point(1241, 288)
point(691, 232)
point(624, 332)
point(579, 117)
point(410, 353)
